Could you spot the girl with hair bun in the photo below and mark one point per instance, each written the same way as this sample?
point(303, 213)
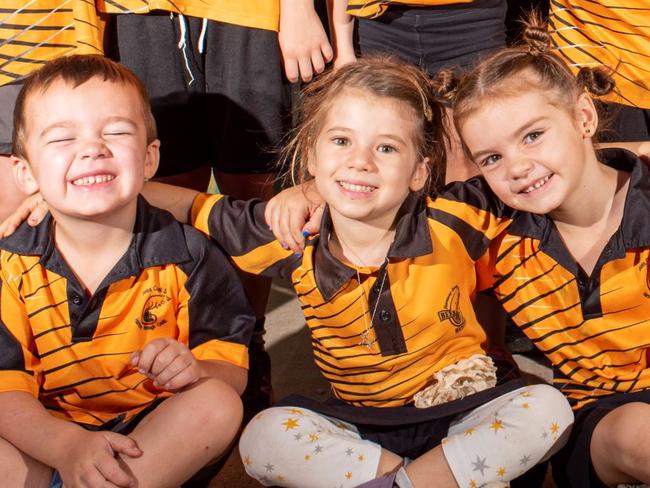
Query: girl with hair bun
point(572, 268)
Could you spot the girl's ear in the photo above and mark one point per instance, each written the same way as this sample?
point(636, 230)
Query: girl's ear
point(587, 115)
point(23, 176)
point(152, 159)
point(420, 175)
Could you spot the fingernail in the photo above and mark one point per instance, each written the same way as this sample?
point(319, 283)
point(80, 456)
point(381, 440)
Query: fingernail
point(270, 228)
point(298, 254)
point(284, 246)
point(305, 234)
point(141, 371)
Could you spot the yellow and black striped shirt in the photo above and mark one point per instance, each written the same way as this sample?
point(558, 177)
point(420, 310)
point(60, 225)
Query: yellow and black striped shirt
point(259, 14)
point(418, 301)
point(374, 8)
point(594, 329)
point(72, 351)
point(36, 31)
point(614, 33)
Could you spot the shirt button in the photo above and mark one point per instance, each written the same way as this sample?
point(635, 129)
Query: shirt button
point(76, 299)
point(376, 287)
point(384, 315)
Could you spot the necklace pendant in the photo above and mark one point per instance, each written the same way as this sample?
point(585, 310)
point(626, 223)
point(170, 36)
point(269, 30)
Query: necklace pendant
point(365, 339)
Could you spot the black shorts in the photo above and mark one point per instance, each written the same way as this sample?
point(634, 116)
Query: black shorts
point(8, 95)
point(446, 36)
point(625, 123)
point(228, 107)
point(572, 466)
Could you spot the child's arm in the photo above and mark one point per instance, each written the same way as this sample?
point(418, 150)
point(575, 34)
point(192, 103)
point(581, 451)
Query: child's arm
point(172, 366)
point(303, 42)
point(83, 458)
point(174, 199)
point(640, 148)
point(342, 29)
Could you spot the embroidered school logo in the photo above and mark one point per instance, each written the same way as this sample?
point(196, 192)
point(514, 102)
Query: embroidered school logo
point(149, 319)
point(452, 311)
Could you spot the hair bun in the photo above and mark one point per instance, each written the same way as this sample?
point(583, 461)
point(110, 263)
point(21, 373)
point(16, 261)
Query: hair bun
point(535, 35)
point(445, 85)
point(597, 81)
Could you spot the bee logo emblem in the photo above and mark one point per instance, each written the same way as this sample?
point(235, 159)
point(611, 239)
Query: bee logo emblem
point(452, 311)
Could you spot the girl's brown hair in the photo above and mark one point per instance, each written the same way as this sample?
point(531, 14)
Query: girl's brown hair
point(379, 76)
point(528, 65)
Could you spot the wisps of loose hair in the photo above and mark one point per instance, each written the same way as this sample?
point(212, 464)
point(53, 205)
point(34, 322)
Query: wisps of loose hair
point(76, 70)
point(379, 76)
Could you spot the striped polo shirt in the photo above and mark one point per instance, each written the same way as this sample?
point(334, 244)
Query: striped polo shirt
point(594, 329)
point(36, 31)
point(416, 307)
point(614, 33)
point(259, 14)
point(72, 351)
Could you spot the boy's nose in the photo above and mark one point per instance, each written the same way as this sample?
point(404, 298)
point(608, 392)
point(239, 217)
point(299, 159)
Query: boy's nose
point(94, 149)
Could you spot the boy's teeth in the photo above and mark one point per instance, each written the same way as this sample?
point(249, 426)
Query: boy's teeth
point(357, 188)
point(537, 185)
point(91, 180)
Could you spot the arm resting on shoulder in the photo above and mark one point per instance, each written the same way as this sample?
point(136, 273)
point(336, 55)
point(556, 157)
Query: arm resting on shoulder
point(175, 199)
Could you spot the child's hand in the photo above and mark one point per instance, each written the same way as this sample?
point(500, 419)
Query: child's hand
point(90, 460)
point(170, 364)
point(33, 209)
point(295, 213)
point(303, 42)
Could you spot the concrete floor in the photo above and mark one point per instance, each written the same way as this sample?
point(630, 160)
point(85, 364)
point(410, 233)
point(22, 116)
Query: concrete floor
point(294, 371)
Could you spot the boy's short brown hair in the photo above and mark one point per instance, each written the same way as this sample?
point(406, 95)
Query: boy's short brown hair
point(76, 70)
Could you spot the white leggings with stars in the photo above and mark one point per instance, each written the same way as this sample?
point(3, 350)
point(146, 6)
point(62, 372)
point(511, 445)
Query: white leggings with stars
point(496, 442)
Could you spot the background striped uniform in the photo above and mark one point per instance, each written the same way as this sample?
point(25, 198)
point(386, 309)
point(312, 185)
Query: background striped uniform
point(614, 33)
point(33, 32)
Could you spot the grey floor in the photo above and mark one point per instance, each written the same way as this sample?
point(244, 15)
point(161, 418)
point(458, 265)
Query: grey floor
point(294, 371)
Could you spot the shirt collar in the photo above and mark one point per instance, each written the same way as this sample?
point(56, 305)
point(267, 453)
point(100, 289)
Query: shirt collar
point(634, 228)
point(157, 239)
point(412, 239)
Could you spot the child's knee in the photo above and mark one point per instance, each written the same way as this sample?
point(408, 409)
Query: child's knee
point(217, 406)
point(261, 430)
point(624, 434)
point(547, 415)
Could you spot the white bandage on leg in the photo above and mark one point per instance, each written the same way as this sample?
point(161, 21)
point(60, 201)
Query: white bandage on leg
point(504, 438)
point(295, 447)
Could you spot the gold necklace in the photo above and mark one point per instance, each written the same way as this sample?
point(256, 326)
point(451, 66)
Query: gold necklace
point(365, 335)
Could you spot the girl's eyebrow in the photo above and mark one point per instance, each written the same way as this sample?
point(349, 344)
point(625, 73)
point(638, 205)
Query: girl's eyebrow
point(394, 137)
point(515, 133)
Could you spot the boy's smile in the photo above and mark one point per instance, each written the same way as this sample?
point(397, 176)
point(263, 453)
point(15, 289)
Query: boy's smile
point(365, 161)
point(86, 148)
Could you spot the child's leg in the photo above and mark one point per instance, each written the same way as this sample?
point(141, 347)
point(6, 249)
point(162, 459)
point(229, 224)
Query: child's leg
point(498, 441)
point(184, 433)
point(19, 470)
point(296, 447)
point(620, 445)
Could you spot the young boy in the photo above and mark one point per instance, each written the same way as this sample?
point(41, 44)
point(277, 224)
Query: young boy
point(122, 333)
